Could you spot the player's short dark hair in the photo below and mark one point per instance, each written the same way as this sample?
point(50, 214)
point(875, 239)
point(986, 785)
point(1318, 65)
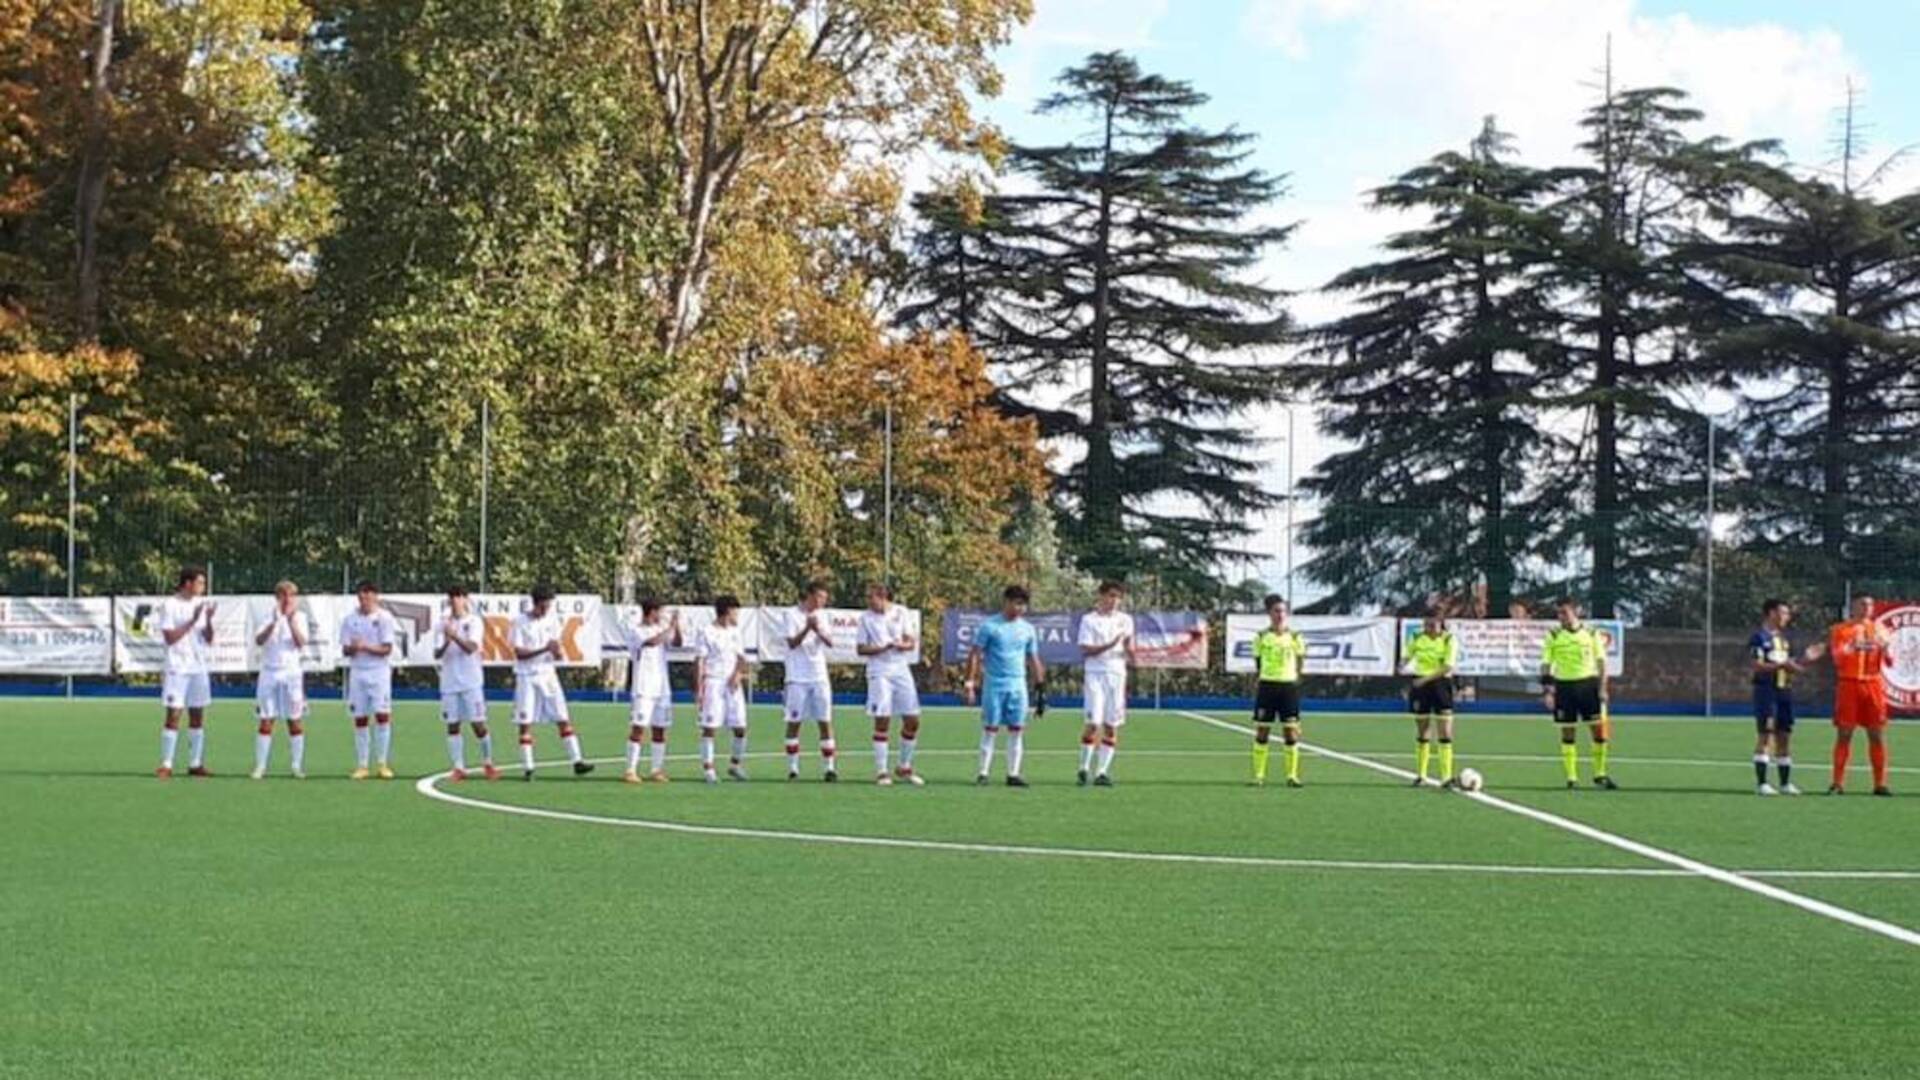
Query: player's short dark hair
point(1772, 605)
point(366, 585)
point(880, 587)
point(1016, 594)
point(1567, 601)
point(1111, 587)
point(814, 587)
point(649, 605)
point(724, 603)
point(188, 573)
point(542, 593)
point(456, 590)
point(1272, 601)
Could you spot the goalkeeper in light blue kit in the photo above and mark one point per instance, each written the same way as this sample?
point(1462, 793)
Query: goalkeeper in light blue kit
point(1008, 647)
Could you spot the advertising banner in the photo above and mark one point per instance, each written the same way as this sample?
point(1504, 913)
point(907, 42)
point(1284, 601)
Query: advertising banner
point(139, 648)
point(1168, 639)
point(1336, 644)
point(1512, 646)
point(1901, 619)
point(56, 635)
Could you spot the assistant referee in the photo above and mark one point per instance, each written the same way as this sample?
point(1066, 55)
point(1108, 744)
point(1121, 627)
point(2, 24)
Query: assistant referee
point(1573, 668)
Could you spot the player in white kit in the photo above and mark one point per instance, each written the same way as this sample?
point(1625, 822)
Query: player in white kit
point(186, 628)
point(1106, 643)
point(281, 693)
point(537, 696)
point(884, 640)
point(650, 713)
point(367, 635)
point(720, 676)
point(809, 691)
point(463, 695)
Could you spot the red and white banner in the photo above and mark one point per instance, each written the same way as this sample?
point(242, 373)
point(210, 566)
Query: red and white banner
point(1901, 620)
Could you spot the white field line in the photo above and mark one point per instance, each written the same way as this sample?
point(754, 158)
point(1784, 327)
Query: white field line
point(1744, 882)
point(429, 786)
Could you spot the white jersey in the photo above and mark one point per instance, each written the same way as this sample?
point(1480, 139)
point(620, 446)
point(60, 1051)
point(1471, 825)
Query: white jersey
point(720, 647)
point(460, 670)
point(375, 629)
point(884, 628)
point(1098, 629)
point(188, 655)
point(649, 661)
point(806, 662)
point(280, 654)
point(534, 632)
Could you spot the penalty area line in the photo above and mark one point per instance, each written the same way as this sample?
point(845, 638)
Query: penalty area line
point(1615, 840)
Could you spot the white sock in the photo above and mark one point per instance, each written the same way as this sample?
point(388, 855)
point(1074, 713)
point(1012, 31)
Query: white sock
point(169, 738)
point(1016, 749)
point(827, 751)
point(906, 751)
point(986, 751)
point(879, 753)
point(262, 746)
point(657, 755)
point(739, 746)
point(1086, 753)
point(573, 748)
point(196, 746)
point(793, 755)
point(526, 753)
point(457, 750)
point(633, 751)
point(706, 749)
point(382, 741)
point(486, 748)
point(1106, 757)
point(297, 752)
point(362, 739)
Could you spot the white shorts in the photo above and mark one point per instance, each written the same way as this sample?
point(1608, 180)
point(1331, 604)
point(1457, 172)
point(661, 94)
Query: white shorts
point(722, 705)
point(655, 710)
point(463, 706)
point(180, 690)
point(1106, 698)
point(369, 693)
point(539, 700)
point(892, 694)
point(809, 701)
point(280, 695)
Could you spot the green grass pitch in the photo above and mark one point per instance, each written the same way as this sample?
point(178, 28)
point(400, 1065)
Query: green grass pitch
point(328, 928)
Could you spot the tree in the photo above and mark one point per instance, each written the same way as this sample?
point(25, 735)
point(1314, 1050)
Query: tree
point(1824, 284)
point(1120, 310)
point(1636, 299)
point(1437, 379)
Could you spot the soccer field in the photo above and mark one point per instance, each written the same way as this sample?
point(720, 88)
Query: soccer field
point(1357, 927)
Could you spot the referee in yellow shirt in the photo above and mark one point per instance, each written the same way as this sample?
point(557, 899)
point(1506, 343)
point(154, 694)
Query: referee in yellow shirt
point(1432, 656)
point(1573, 668)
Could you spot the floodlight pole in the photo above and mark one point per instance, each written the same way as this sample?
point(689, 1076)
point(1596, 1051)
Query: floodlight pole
point(1707, 668)
point(73, 493)
point(1289, 556)
point(486, 422)
point(887, 468)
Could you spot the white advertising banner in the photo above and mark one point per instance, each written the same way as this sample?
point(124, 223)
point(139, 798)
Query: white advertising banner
point(139, 648)
point(842, 627)
point(1512, 646)
point(56, 635)
point(1336, 644)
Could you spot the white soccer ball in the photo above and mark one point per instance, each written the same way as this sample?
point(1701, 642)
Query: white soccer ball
point(1471, 780)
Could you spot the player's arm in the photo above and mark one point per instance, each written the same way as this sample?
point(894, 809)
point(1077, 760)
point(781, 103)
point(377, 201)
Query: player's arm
point(520, 649)
point(466, 644)
point(173, 634)
point(1546, 671)
point(1035, 669)
point(206, 632)
point(296, 630)
point(973, 670)
point(740, 670)
point(666, 634)
point(381, 648)
point(699, 671)
point(267, 630)
point(348, 645)
point(866, 646)
point(806, 627)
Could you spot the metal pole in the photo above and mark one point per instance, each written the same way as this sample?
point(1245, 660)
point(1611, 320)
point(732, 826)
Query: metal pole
point(486, 423)
point(1289, 504)
point(887, 530)
point(73, 493)
point(1707, 671)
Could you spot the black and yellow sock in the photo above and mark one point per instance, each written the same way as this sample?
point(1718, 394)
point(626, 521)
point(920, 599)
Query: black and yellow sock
point(1570, 761)
point(1600, 759)
point(1422, 750)
point(1260, 762)
point(1446, 759)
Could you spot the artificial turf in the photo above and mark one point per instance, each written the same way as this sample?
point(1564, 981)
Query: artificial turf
point(222, 927)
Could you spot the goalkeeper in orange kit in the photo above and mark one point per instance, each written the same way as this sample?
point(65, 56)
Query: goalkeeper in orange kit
point(1859, 651)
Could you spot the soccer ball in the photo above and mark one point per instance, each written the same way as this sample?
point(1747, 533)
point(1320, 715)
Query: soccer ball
point(1471, 780)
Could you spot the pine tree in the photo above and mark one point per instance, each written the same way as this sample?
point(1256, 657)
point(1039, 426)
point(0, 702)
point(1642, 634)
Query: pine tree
point(1635, 301)
point(1120, 312)
point(1437, 379)
point(1825, 279)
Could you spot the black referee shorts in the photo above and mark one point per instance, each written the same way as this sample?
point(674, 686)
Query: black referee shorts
point(1277, 703)
point(1431, 698)
point(1576, 701)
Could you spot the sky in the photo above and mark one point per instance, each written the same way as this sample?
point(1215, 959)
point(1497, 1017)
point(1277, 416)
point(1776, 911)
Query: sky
point(1345, 94)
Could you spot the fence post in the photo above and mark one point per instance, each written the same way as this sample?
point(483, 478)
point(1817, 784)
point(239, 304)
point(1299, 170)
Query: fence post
point(73, 492)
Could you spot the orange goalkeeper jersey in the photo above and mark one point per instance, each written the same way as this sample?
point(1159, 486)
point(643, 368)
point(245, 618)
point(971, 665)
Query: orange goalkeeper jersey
point(1859, 650)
